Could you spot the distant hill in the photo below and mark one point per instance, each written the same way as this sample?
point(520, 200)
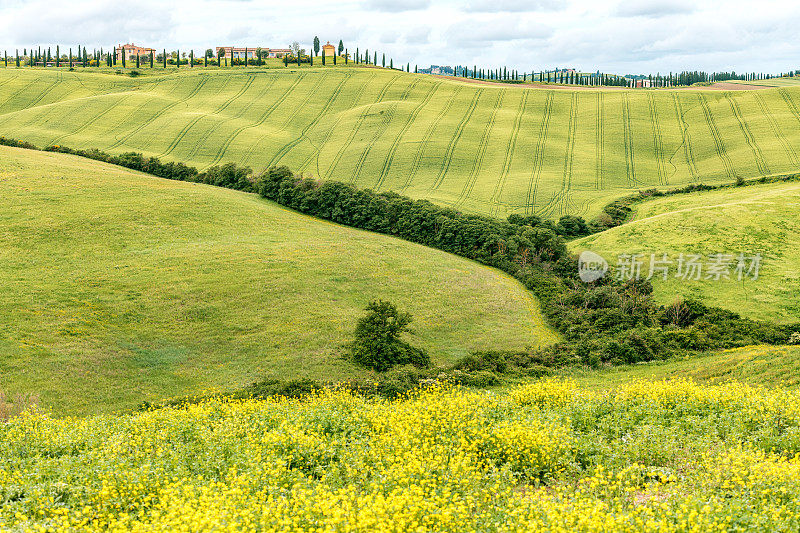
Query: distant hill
point(120, 287)
point(479, 147)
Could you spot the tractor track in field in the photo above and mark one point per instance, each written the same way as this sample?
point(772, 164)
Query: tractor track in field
point(291, 144)
point(384, 125)
point(718, 142)
point(761, 163)
point(354, 131)
point(264, 116)
point(47, 91)
point(315, 156)
point(87, 123)
point(627, 126)
point(512, 142)
point(599, 139)
point(477, 162)
point(426, 138)
point(396, 143)
point(208, 131)
point(455, 138)
point(181, 134)
point(658, 140)
point(536, 171)
point(776, 130)
point(569, 158)
point(159, 114)
point(19, 91)
point(688, 153)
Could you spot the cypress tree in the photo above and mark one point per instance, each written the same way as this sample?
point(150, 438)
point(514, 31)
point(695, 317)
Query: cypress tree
point(191, 58)
point(58, 57)
point(178, 58)
point(323, 58)
point(391, 63)
point(123, 56)
point(152, 57)
point(245, 57)
point(334, 59)
point(205, 60)
point(357, 58)
point(165, 58)
point(376, 59)
point(16, 54)
point(138, 65)
point(70, 57)
point(346, 56)
point(416, 69)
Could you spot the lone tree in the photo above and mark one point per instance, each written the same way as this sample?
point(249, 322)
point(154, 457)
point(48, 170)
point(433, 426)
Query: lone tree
point(377, 342)
point(341, 47)
point(316, 45)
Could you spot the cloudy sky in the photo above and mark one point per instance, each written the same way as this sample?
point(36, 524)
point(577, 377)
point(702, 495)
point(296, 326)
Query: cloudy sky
point(622, 36)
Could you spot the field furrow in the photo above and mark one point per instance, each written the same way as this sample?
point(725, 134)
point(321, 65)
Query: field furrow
point(387, 164)
point(630, 170)
point(599, 141)
point(469, 184)
point(715, 134)
point(761, 163)
point(686, 142)
point(776, 130)
point(536, 170)
point(510, 146)
point(455, 138)
point(658, 143)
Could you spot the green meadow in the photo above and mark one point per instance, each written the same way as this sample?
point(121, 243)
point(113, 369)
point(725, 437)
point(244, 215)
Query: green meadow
point(757, 219)
point(483, 148)
point(120, 287)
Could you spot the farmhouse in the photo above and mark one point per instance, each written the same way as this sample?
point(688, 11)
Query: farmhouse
point(130, 51)
point(235, 52)
point(328, 50)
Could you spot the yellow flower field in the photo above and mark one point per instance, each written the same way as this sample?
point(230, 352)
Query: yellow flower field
point(664, 456)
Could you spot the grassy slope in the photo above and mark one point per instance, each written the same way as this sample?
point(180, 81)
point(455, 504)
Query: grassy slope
point(480, 147)
point(119, 287)
point(774, 82)
point(774, 366)
point(755, 219)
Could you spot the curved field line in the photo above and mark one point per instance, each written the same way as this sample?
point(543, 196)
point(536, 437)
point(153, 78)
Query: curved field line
point(208, 131)
point(761, 163)
point(477, 162)
point(569, 157)
point(181, 134)
point(409, 121)
point(288, 146)
point(455, 138)
point(789, 103)
point(87, 123)
point(47, 91)
point(158, 114)
point(718, 142)
point(536, 171)
point(658, 143)
point(426, 138)
point(599, 139)
point(776, 130)
point(630, 170)
point(354, 131)
point(383, 126)
point(19, 91)
point(9, 80)
point(688, 153)
point(290, 119)
point(512, 143)
point(232, 137)
point(359, 92)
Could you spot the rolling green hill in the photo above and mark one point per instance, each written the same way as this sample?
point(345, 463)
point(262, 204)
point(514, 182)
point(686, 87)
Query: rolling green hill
point(482, 148)
point(751, 220)
point(120, 287)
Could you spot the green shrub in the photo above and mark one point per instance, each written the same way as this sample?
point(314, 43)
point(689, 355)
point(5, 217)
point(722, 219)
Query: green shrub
point(377, 342)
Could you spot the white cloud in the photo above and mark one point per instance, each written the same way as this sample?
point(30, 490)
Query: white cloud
point(627, 36)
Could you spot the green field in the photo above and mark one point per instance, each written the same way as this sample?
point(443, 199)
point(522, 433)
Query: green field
point(754, 219)
point(773, 366)
point(773, 82)
point(479, 147)
point(120, 287)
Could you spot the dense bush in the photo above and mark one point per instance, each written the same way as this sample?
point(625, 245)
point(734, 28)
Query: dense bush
point(377, 342)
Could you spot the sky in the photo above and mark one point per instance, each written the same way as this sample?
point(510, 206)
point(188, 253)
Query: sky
point(616, 36)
